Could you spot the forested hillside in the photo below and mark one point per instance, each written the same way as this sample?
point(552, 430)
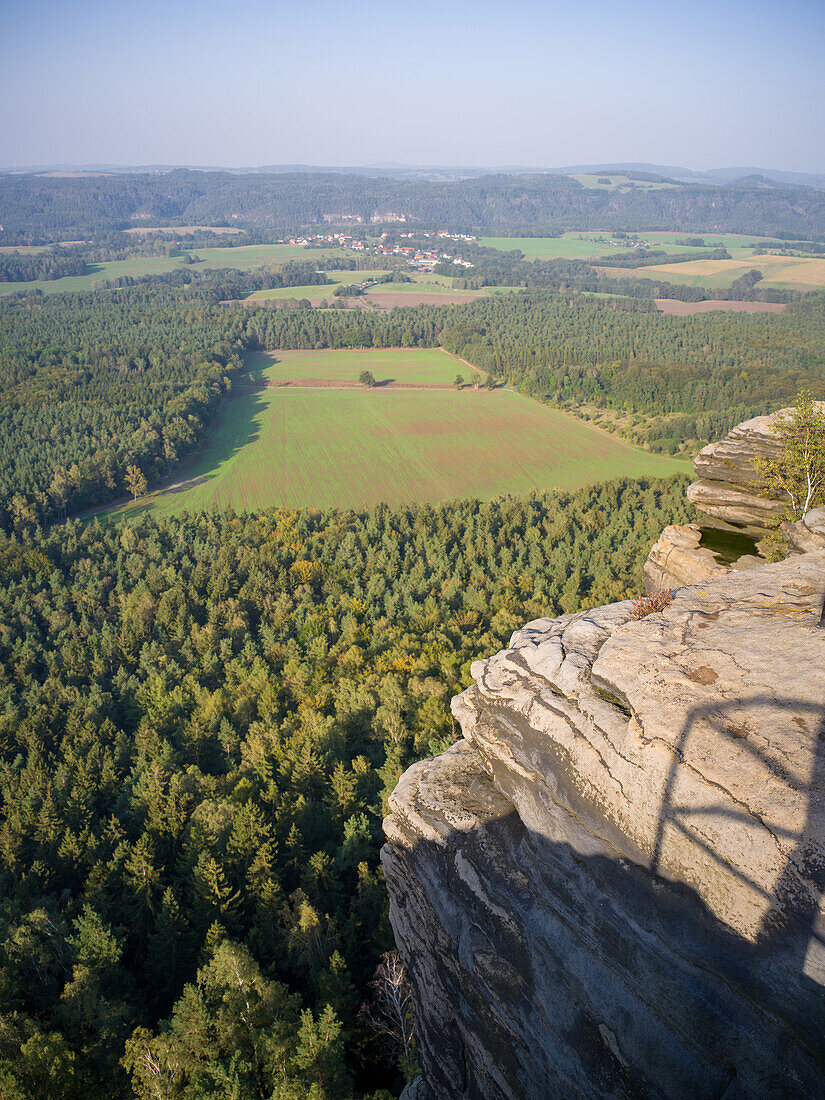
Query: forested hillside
point(93, 383)
point(201, 719)
point(48, 208)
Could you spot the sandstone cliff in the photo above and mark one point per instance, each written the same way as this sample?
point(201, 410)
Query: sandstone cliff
point(726, 496)
point(612, 886)
point(726, 488)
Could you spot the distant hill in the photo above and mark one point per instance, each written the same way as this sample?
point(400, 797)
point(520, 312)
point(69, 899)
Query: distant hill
point(393, 170)
point(815, 180)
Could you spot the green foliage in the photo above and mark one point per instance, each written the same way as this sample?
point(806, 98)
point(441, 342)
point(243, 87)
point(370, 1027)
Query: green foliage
point(197, 740)
point(796, 474)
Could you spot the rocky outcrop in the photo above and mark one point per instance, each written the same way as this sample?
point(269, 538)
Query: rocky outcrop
point(612, 885)
point(726, 492)
point(679, 558)
point(806, 535)
point(727, 486)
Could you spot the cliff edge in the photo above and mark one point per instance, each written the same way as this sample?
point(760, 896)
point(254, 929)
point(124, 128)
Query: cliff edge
point(612, 885)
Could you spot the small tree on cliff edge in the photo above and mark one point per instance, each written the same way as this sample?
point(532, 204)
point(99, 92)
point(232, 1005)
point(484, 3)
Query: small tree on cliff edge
point(797, 474)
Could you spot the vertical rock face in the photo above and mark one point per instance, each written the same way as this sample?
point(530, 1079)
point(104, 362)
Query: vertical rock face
point(612, 886)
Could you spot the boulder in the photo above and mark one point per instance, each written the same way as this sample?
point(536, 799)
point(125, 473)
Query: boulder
point(612, 885)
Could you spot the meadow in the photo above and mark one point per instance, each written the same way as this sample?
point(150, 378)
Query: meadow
point(570, 246)
point(348, 448)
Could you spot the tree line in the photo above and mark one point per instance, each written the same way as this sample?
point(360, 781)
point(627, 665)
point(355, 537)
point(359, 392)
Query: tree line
point(54, 263)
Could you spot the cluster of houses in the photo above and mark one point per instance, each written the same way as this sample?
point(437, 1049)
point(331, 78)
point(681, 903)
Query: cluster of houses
point(424, 259)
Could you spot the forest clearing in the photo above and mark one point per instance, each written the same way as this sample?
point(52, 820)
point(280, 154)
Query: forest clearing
point(349, 448)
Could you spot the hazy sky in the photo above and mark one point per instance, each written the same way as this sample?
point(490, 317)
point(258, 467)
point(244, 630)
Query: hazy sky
point(702, 83)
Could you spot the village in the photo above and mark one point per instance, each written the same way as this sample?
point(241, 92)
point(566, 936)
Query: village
point(424, 259)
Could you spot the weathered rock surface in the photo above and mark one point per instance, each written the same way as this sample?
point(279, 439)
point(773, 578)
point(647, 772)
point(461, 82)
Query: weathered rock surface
point(806, 535)
point(612, 887)
point(727, 485)
point(678, 558)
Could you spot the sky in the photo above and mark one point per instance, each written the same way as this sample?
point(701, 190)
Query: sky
point(355, 82)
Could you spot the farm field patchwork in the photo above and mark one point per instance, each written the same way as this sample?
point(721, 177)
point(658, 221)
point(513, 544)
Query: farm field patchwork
point(799, 273)
point(348, 448)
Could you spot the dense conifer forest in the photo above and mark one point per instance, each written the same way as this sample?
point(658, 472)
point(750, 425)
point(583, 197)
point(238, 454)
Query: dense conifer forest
point(201, 720)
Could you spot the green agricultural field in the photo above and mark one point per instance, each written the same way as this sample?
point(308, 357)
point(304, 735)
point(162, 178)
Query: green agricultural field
point(242, 258)
point(591, 245)
point(247, 257)
point(422, 286)
point(735, 243)
point(418, 366)
point(570, 246)
point(347, 448)
point(136, 266)
point(581, 245)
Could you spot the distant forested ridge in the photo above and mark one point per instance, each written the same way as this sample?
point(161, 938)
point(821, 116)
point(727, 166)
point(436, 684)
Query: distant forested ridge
point(200, 720)
point(93, 383)
point(50, 208)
